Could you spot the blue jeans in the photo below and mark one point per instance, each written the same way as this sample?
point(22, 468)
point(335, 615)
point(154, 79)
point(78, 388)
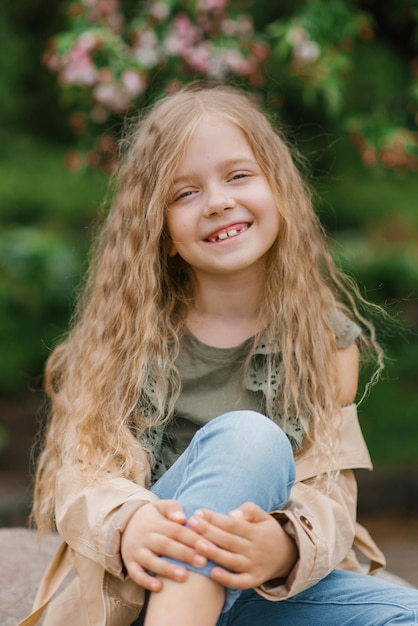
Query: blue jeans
point(341, 599)
point(243, 456)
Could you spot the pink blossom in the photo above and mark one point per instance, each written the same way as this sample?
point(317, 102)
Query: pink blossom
point(245, 26)
point(77, 68)
point(175, 45)
point(102, 7)
point(198, 57)
point(296, 36)
point(233, 60)
point(183, 35)
point(211, 5)
point(239, 64)
point(228, 27)
point(112, 96)
point(133, 83)
point(101, 4)
point(105, 11)
point(87, 42)
point(76, 65)
point(159, 10)
point(182, 23)
point(145, 47)
point(248, 66)
point(306, 52)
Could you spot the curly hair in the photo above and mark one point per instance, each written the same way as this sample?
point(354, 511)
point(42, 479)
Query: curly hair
point(131, 314)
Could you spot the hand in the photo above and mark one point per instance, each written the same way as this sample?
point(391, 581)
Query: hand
point(158, 529)
point(248, 541)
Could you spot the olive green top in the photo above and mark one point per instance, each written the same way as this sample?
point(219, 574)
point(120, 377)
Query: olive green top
point(215, 381)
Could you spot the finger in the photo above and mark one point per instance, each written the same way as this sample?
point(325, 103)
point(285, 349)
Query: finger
point(232, 560)
point(178, 532)
point(145, 570)
point(250, 512)
point(171, 509)
point(241, 580)
point(171, 529)
point(143, 578)
point(202, 520)
point(230, 533)
point(213, 536)
point(162, 545)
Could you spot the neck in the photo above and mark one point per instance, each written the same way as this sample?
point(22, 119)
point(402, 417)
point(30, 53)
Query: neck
point(226, 310)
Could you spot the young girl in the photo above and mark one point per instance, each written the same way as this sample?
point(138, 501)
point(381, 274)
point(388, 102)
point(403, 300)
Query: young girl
point(198, 461)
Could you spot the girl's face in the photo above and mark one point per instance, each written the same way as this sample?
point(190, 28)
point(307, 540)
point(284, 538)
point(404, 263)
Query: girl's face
point(222, 217)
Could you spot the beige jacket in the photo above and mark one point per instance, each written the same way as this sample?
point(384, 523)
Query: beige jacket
point(92, 519)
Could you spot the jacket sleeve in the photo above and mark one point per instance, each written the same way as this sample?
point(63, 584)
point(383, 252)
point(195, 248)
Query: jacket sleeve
point(323, 527)
point(322, 521)
point(92, 517)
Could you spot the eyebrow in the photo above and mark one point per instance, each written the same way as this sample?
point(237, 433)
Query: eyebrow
point(227, 163)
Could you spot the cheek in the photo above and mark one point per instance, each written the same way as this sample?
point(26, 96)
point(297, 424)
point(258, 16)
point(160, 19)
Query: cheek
point(177, 228)
point(180, 226)
point(174, 220)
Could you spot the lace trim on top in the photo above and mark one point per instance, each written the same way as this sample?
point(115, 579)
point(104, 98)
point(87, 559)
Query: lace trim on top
point(257, 379)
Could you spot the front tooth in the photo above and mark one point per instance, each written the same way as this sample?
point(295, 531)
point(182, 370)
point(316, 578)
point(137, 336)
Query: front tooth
point(233, 232)
point(223, 236)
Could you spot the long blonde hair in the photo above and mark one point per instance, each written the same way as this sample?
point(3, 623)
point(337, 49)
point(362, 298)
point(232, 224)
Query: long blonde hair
point(130, 317)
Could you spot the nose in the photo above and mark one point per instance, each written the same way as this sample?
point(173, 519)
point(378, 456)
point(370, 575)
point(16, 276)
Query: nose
point(218, 200)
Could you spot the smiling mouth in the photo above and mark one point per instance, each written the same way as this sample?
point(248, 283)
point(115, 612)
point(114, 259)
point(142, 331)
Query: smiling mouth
point(228, 233)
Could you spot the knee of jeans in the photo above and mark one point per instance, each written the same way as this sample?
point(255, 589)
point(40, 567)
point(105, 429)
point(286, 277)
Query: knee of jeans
point(256, 439)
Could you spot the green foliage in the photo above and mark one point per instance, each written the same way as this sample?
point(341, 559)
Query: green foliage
point(46, 216)
point(313, 47)
point(13, 47)
point(373, 222)
point(389, 415)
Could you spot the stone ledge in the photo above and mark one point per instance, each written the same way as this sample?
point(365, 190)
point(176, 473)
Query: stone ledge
point(23, 562)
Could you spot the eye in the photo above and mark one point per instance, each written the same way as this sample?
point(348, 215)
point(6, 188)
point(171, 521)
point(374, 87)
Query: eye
point(182, 195)
point(239, 175)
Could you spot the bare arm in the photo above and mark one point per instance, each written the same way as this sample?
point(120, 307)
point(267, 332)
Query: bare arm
point(348, 369)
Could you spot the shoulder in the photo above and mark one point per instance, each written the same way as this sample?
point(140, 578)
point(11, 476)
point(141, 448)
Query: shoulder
point(348, 368)
point(346, 331)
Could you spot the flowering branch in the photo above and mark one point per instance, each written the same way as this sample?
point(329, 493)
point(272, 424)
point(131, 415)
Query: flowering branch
point(107, 64)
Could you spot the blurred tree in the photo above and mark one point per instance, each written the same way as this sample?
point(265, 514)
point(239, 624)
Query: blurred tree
point(43, 236)
point(352, 63)
point(28, 96)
